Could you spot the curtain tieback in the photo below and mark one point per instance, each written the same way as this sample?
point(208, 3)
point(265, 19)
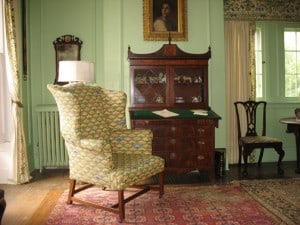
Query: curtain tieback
point(19, 104)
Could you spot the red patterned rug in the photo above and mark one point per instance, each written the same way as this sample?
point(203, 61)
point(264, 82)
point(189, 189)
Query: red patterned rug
point(180, 205)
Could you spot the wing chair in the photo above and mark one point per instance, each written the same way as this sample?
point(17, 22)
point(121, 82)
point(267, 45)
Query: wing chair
point(102, 150)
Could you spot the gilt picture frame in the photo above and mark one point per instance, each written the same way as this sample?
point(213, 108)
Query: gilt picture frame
point(165, 20)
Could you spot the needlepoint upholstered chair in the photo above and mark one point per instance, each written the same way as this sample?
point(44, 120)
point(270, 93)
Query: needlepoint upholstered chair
point(248, 114)
point(102, 150)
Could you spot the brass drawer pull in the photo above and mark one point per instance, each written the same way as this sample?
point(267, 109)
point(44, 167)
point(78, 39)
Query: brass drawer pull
point(172, 155)
point(201, 130)
point(200, 157)
point(173, 141)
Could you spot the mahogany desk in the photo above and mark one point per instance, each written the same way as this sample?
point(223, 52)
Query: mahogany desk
point(293, 126)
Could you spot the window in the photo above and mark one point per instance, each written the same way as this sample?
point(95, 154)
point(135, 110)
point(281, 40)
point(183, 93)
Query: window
point(277, 52)
point(292, 62)
point(258, 63)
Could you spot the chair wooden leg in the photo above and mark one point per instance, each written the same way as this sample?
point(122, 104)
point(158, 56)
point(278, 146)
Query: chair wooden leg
point(245, 156)
point(240, 156)
point(121, 205)
point(281, 154)
point(161, 184)
point(72, 185)
point(121, 200)
point(261, 154)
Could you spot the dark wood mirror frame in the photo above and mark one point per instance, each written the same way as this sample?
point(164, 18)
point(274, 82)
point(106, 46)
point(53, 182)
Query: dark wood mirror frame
point(67, 47)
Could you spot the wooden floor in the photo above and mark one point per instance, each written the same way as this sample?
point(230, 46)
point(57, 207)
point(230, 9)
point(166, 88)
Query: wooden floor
point(24, 200)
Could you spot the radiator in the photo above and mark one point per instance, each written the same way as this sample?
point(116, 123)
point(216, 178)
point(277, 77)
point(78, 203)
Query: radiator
point(51, 146)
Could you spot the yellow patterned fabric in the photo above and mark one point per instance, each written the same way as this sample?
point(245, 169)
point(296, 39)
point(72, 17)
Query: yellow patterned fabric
point(132, 141)
point(101, 149)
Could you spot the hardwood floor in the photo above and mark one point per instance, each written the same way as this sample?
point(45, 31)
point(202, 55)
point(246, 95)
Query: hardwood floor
point(24, 200)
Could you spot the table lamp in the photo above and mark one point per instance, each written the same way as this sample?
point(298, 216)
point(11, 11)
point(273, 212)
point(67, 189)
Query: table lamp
point(76, 71)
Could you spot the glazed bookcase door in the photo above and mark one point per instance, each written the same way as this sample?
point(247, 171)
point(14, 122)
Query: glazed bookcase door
point(149, 87)
point(190, 87)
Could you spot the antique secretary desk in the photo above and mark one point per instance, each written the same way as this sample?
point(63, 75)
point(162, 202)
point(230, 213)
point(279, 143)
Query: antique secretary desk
point(167, 87)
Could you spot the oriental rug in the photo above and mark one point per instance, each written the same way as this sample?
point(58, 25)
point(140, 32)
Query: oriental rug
point(181, 205)
point(281, 197)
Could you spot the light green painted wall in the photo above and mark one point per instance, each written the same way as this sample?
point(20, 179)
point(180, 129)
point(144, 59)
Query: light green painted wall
point(107, 28)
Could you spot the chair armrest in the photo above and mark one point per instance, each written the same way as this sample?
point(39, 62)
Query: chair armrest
point(96, 145)
point(96, 148)
point(132, 141)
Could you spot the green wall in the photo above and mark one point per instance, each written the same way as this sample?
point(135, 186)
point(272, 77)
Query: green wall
point(107, 28)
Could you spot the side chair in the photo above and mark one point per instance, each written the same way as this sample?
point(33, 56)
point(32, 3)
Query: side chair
point(248, 114)
point(102, 151)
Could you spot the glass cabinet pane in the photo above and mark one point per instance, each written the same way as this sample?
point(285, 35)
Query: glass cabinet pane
point(150, 86)
point(189, 85)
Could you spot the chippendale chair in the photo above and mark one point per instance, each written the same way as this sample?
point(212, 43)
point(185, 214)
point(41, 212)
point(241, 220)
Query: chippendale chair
point(102, 150)
point(249, 113)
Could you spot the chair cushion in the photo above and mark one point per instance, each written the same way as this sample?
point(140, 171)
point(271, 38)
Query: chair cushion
point(259, 139)
point(131, 169)
point(124, 170)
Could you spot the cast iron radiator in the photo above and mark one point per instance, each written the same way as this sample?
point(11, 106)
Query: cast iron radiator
point(51, 146)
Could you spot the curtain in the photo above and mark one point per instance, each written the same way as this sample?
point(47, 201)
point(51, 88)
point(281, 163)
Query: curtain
point(5, 115)
point(19, 172)
point(4, 92)
point(240, 76)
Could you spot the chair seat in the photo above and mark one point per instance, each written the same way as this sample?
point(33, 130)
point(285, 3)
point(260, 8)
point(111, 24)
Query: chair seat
point(130, 169)
point(259, 139)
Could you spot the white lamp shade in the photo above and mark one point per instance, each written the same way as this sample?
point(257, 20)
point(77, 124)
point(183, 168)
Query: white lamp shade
point(73, 71)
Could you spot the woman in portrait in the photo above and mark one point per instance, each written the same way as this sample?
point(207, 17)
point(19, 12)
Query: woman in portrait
point(165, 21)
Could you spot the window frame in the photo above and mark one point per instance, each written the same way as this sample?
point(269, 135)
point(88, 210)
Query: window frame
point(273, 70)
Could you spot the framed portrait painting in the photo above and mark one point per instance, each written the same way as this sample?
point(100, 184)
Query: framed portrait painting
point(164, 19)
